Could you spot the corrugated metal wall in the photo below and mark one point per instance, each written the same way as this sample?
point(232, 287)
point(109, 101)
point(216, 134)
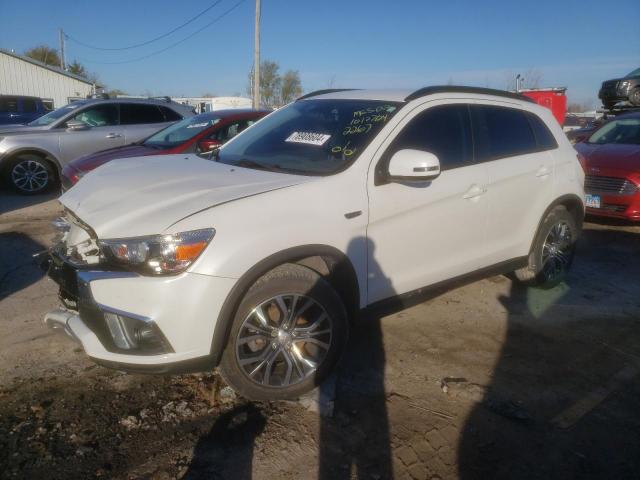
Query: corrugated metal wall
point(18, 77)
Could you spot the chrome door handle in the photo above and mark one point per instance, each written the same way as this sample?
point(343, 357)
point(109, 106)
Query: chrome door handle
point(113, 135)
point(473, 192)
point(543, 171)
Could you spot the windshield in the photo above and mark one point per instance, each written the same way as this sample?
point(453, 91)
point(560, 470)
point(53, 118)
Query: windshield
point(635, 73)
point(51, 117)
point(180, 132)
point(623, 131)
point(310, 137)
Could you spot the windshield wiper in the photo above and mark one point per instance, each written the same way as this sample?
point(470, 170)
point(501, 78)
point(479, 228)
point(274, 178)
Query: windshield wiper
point(258, 166)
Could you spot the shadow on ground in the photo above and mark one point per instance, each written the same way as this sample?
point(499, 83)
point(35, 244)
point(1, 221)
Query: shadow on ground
point(564, 393)
point(17, 268)
point(11, 201)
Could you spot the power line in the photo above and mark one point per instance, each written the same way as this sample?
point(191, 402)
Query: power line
point(215, 20)
point(69, 37)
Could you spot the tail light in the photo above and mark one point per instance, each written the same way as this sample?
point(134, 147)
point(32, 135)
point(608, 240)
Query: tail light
point(583, 162)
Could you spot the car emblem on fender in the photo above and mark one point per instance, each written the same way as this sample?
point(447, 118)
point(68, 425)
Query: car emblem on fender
point(595, 170)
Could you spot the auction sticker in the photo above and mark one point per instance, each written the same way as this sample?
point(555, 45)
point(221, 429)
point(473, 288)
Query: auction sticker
point(308, 138)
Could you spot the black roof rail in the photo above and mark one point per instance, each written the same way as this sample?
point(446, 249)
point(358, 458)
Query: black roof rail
point(464, 89)
point(322, 92)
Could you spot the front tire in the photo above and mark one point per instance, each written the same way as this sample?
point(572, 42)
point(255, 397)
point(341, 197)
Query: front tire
point(29, 174)
point(553, 250)
point(287, 335)
point(634, 97)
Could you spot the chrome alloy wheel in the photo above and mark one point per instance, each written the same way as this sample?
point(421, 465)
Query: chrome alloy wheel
point(29, 176)
point(284, 340)
point(557, 251)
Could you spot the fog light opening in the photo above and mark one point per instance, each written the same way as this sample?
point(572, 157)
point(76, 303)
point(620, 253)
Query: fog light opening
point(135, 334)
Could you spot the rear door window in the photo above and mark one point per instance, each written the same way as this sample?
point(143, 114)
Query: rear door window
point(444, 131)
point(500, 132)
point(139, 113)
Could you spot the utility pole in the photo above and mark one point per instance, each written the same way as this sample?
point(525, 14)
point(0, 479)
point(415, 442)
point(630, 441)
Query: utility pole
point(256, 61)
point(63, 64)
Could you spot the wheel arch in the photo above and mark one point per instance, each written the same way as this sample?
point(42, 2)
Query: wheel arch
point(48, 156)
point(329, 262)
point(572, 203)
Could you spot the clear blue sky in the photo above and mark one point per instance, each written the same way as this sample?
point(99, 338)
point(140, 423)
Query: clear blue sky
point(344, 43)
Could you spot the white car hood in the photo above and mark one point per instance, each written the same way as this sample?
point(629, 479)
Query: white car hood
point(146, 195)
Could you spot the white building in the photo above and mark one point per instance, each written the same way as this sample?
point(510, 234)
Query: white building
point(209, 104)
point(21, 75)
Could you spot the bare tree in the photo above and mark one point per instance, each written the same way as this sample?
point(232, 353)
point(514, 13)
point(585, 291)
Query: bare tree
point(332, 81)
point(291, 87)
point(44, 54)
point(270, 83)
point(533, 78)
point(579, 107)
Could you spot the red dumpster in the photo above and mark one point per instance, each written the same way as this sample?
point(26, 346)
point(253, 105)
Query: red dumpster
point(552, 98)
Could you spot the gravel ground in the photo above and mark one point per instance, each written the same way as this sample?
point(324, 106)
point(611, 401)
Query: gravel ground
point(487, 380)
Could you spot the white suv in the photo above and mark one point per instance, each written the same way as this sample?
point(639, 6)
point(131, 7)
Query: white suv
point(257, 260)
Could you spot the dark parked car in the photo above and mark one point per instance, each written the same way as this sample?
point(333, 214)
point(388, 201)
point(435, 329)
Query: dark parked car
point(199, 134)
point(611, 159)
point(19, 109)
point(581, 134)
point(626, 89)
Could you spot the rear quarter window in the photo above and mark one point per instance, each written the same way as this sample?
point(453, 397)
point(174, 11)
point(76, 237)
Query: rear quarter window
point(140, 113)
point(170, 115)
point(501, 132)
point(544, 137)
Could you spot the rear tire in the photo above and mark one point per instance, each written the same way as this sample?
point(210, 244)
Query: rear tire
point(29, 174)
point(287, 335)
point(552, 252)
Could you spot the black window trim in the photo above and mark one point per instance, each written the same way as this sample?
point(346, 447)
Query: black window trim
point(380, 176)
point(538, 149)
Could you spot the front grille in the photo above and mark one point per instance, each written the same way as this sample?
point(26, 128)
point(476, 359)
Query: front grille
point(609, 185)
point(610, 84)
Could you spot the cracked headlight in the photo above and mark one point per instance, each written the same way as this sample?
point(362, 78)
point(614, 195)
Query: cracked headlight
point(158, 254)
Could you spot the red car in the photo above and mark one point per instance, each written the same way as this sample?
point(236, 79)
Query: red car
point(198, 134)
point(611, 158)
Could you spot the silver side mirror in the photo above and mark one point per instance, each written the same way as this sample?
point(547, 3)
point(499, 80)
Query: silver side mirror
point(75, 126)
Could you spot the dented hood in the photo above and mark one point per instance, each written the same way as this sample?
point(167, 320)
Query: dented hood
point(146, 195)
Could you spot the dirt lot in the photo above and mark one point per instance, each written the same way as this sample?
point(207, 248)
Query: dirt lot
point(489, 380)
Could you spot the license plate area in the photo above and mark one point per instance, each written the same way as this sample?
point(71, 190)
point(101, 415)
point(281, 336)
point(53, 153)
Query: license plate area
point(593, 201)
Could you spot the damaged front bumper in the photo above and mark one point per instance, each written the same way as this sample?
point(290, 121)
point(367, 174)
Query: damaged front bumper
point(131, 322)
